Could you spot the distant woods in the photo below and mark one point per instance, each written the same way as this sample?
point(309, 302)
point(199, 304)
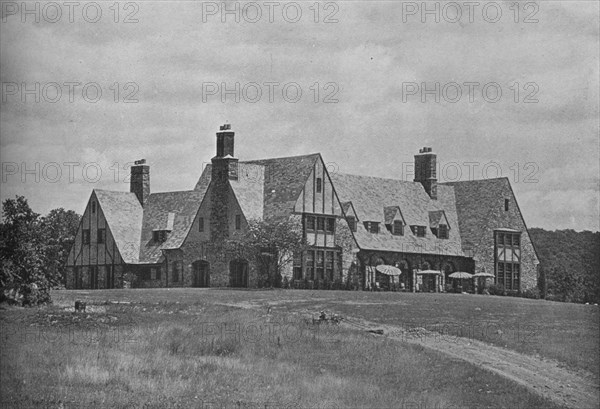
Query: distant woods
point(570, 264)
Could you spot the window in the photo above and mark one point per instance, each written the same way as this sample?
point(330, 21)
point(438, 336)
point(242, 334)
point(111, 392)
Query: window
point(310, 264)
point(93, 206)
point(152, 273)
point(351, 223)
point(297, 265)
point(158, 273)
point(310, 223)
point(372, 227)
point(320, 265)
point(506, 201)
point(442, 231)
point(238, 222)
point(398, 228)
point(85, 236)
point(159, 235)
point(319, 185)
point(418, 231)
point(101, 236)
point(330, 228)
point(329, 265)
point(176, 268)
point(508, 260)
point(201, 224)
point(320, 223)
point(146, 274)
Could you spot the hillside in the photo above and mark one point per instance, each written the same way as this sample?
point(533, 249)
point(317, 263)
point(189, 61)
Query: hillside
point(571, 263)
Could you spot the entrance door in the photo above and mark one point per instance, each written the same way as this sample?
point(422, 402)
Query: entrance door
point(238, 271)
point(201, 273)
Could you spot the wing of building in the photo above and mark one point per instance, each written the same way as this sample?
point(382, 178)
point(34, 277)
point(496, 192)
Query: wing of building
point(353, 224)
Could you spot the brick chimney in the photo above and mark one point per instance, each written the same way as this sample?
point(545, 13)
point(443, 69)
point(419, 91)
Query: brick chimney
point(140, 181)
point(224, 169)
point(425, 171)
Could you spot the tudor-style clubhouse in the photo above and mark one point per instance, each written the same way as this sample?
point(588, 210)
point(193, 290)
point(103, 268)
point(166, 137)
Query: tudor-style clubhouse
point(427, 230)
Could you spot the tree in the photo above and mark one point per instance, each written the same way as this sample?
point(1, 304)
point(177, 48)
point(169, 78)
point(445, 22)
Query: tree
point(271, 243)
point(33, 249)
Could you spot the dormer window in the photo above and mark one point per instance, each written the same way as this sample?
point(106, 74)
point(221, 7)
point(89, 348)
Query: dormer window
point(418, 231)
point(351, 223)
point(442, 231)
point(372, 227)
point(159, 236)
point(398, 228)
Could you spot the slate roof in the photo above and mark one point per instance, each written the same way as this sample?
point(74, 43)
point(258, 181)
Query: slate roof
point(132, 225)
point(123, 214)
point(268, 188)
point(370, 197)
point(174, 211)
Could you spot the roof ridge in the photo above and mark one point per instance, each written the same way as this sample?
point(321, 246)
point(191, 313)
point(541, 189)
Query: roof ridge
point(283, 157)
point(471, 181)
point(374, 177)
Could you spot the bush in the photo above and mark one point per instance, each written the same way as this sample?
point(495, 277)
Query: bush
point(285, 283)
point(497, 289)
point(533, 293)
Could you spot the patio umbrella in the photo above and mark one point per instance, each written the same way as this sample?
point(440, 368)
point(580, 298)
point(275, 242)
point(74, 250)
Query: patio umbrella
point(460, 274)
point(429, 272)
point(388, 270)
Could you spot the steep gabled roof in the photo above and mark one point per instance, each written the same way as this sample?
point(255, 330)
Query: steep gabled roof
point(371, 196)
point(124, 214)
point(173, 211)
point(268, 188)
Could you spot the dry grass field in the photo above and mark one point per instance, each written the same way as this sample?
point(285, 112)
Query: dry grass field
point(213, 348)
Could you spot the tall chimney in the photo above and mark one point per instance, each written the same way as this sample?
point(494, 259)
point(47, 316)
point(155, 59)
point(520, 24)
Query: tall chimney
point(140, 181)
point(425, 171)
point(224, 169)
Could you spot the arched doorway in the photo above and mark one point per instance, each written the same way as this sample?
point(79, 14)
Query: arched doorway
point(238, 273)
point(200, 274)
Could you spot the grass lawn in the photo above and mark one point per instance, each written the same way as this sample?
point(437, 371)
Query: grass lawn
point(196, 348)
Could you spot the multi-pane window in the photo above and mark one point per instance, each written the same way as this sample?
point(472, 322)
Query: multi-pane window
point(351, 223)
point(330, 225)
point(158, 273)
point(297, 265)
point(418, 231)
point(319, 185)
point(238, 222)
point(159, 235)
point(442, 231)
point(320, 223)
point(310, 223)
point(310, 264)
point(508, 259)
point(320, 265)
point(372, 227)
point(201, 224)
point(101, 236)
point(329, 265)
point(85, 236)
point(398, 228)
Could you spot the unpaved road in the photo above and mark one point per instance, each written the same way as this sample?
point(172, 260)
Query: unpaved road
point(543, 376)
point(578, 390)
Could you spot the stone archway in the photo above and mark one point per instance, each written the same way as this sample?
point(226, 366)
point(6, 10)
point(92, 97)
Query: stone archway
point(238, 273)
point(200, 273)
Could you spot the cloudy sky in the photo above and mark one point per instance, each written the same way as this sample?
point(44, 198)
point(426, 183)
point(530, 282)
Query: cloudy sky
point(361, 68)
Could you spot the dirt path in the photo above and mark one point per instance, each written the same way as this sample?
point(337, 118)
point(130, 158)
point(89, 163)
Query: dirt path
point(578, 390)
point(542, 376)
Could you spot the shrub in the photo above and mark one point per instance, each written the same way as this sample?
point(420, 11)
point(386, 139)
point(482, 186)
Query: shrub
point(285, 283)
point(533, 293)
point(497, 289)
